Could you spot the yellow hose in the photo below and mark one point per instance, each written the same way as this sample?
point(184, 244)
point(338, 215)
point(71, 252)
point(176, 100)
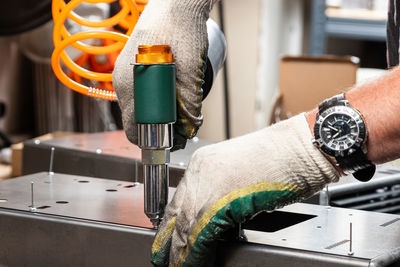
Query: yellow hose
point(126, 18)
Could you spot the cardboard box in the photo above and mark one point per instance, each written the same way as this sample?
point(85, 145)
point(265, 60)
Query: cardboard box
point(306, 81)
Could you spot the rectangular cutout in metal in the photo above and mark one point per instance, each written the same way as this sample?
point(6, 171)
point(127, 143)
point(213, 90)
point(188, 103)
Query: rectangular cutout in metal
point(274, 221)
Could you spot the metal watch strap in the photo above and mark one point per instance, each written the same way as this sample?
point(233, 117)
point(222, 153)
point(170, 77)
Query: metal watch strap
point(333, 101)
point(357, 162)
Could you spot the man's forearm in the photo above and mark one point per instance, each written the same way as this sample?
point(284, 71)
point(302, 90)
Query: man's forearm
point(379, 104)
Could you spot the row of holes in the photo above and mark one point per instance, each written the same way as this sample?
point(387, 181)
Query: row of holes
point(66, 202)
point(109, 190)
point(58, 202)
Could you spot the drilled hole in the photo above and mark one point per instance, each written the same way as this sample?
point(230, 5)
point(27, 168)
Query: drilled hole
point(62, 202)
point(83, 181)
point(3, 200)
point(283, 239)
point(111, 190)
point(319, 227)
point(43, 207)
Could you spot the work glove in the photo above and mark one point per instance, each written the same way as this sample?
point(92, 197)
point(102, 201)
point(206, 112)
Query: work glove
point(182, 25)
point(229, 182)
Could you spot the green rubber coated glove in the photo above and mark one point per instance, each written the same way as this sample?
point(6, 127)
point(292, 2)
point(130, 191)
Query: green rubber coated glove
point(229, 182)
point(182, 25)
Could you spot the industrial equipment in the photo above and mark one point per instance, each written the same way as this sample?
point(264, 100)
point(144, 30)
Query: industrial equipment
point(85, 221)
point(155, 113)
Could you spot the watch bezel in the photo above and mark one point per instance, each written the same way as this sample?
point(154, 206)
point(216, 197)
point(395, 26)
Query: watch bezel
point(340, 110)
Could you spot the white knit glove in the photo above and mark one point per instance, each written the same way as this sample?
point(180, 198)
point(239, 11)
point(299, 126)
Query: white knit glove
point(182, 25)
point(231, 181)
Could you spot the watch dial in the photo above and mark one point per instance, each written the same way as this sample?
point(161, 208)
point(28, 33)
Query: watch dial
point(339, 132)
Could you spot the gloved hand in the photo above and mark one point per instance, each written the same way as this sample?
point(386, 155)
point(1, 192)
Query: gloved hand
point(182, 25)
point(231, 181)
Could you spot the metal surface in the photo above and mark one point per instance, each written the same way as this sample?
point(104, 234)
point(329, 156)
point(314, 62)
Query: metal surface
point(155, 156)
point(83, 221)
point(51, 161)
point(155, 191)
point(216, 47)
point(88, 198)
point(155, 136)
point(351, 253)
point(327, 232)
point(104, 155)
point(37, 239)
point(32, 206)
point(155, 141)
point(358, 29)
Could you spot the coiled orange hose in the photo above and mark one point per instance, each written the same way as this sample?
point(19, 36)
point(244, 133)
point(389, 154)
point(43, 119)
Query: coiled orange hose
point(113, 42)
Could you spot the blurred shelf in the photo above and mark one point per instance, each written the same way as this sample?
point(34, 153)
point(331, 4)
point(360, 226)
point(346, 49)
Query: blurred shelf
point(359, 24)
point(356, 24)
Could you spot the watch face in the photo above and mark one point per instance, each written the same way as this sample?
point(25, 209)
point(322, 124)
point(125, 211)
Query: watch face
point(339, 132)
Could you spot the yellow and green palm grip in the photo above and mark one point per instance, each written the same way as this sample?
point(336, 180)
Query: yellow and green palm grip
point(223, 215)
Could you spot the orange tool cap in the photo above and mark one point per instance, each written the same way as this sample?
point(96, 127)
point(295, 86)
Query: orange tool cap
point(154, 54)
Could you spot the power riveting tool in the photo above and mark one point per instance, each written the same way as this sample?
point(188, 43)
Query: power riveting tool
point(155, 113)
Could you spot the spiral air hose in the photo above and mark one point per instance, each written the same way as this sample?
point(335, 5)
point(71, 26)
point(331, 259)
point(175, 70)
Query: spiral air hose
point(112, 44)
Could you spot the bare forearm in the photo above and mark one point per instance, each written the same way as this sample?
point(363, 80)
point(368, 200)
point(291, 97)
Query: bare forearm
point(379, 104)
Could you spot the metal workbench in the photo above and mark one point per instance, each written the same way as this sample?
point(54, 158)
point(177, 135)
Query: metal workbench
point(103, 155)
point(85, 221)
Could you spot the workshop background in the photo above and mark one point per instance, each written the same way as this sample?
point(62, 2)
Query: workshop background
point(73, 189)
point(245, 95)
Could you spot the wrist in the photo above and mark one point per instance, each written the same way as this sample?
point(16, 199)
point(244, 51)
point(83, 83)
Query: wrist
point(310, 117)
point(375, 132)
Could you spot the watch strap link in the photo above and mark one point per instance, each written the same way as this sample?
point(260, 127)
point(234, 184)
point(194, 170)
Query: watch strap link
point(330, 102)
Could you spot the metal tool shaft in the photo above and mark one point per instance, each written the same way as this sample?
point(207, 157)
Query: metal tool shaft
point(155, 191)
point(155, 140)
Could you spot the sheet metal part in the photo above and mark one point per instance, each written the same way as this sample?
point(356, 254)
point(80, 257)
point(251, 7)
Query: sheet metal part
point(84, 221)
point(95, 199)
point(78, 154)
point(328, 232)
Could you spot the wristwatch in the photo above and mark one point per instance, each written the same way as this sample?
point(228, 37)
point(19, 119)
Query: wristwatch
point(341, 134)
